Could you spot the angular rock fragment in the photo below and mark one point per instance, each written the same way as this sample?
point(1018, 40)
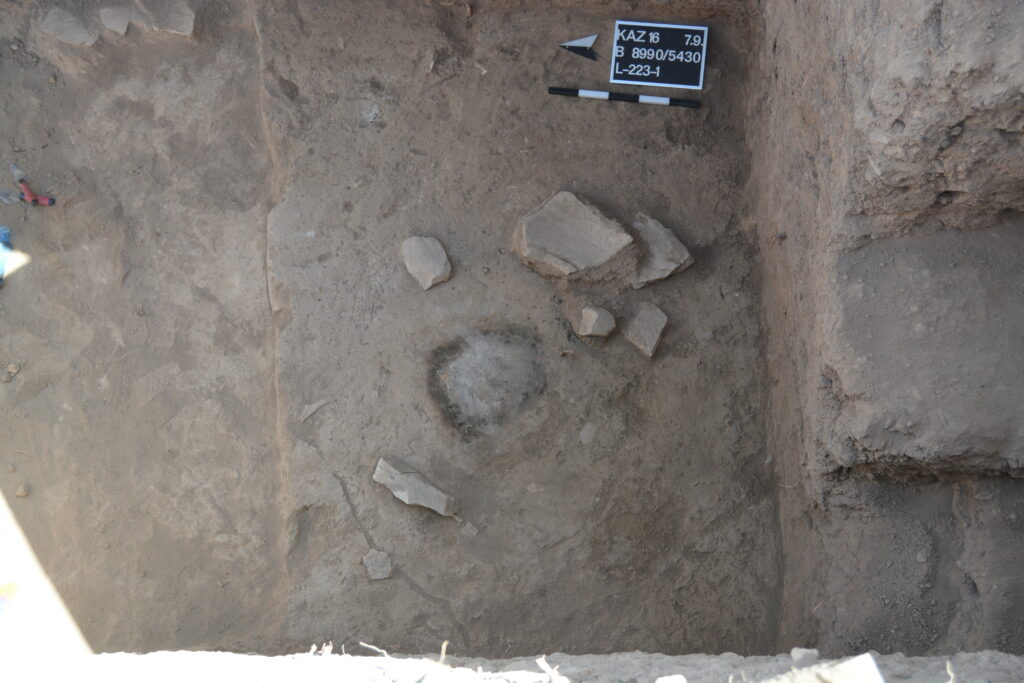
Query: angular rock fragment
point(645, 328)
point(378, 564)
point(664, 254)
point(170, 16)
point(116, 19)
point(311, 409)
point(803, 656)
point(567, 238)
point(23, 491)
point(409, 487)
point(426, 261)
point(595, 322)
point(69, 28)
point(860, 669)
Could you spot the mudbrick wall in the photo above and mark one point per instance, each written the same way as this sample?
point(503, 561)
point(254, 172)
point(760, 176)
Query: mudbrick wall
point(216, 341)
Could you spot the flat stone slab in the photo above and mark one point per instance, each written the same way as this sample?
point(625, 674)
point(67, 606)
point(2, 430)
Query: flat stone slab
point(567, 237)
point(645, 328)
point(378, 564)
point(664, 254)
point(426, 261)
point(116, 19)
point(595, 322)
point(412, 489)
point(170, 16)
point(69, 28)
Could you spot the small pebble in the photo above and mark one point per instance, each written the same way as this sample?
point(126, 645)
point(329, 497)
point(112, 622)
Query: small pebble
point(12, 468)
point(13, 368)
point(22, 491)
point(922, 557)
point(15, 47)
point(53, 79)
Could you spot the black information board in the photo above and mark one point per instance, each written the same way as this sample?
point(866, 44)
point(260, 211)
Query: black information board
point(663, 55)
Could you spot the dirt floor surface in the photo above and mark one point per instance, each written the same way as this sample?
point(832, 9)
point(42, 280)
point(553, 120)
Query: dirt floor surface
point(215, 339)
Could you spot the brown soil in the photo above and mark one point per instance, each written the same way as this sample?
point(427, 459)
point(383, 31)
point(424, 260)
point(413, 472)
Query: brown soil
point(808, 460)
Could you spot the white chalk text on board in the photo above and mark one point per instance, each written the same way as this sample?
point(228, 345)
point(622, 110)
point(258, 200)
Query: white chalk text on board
point(663, 55)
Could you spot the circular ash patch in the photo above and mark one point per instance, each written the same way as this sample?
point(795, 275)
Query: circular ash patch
point(483, 378)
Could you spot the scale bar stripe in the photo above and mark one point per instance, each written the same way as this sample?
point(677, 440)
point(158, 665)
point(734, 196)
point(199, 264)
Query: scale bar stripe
point(623, 97)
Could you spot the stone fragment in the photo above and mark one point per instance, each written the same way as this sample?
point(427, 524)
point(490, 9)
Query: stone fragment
point(860, 669)
point(171, 16)
point(645, 328)
point(23, 490)
point(13, 368)
point(311, 409)
point(664, 254)
point(595, 322)
point(803, 656)
point(588, 433)
point(426, 261)
point(674, 678)
point(378, 564)
point(69, 28)
point(116, 19)
point(409, 487)
point(569, 238)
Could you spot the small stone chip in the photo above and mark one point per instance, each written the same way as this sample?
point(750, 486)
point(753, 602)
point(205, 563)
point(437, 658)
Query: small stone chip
point(595, 322)
point(645, 329)
point(23, 490)
point(378, 564)
point(426, 261)
point(803, 656)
